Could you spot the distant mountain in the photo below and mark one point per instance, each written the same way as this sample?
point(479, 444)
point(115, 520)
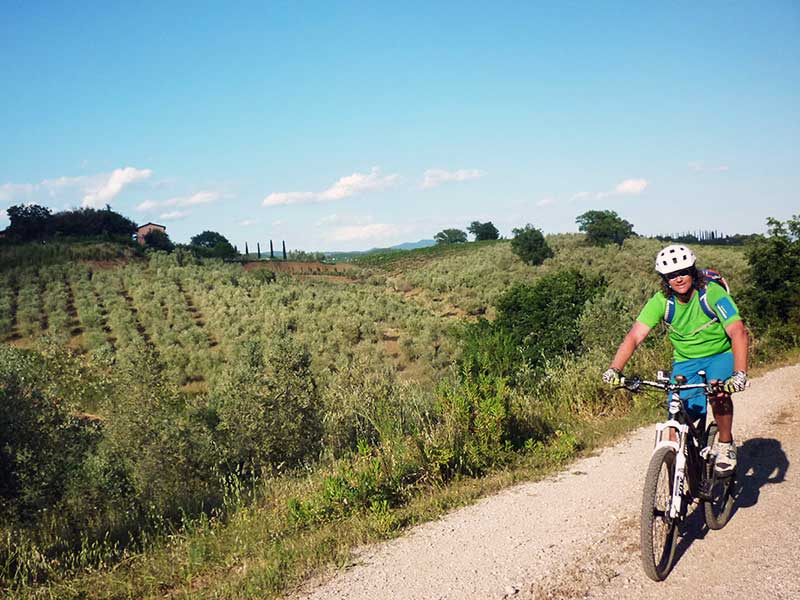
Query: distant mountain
point(404, 246)
point(407, 246)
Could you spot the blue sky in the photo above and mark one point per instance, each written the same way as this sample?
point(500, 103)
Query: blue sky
point(339, 126)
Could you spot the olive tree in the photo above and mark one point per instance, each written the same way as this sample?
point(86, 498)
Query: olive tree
point(483, 231)
point(603, 227)
point(529, 244)
point(450, 236)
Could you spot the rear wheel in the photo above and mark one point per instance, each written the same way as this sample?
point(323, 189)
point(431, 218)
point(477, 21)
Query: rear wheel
point(717, 507)
point(658, 531)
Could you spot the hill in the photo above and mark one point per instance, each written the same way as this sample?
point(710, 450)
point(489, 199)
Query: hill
point(346, 256)
point(303, 408)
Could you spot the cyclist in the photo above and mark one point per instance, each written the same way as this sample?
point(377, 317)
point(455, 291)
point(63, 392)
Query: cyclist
point(718, 346)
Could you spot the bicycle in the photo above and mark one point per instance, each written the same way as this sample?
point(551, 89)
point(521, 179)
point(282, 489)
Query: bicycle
point(681, 470)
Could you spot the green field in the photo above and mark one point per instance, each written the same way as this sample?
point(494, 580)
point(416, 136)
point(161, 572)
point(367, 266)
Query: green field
point(193, 425)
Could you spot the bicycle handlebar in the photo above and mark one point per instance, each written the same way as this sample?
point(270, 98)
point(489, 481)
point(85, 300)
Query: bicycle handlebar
point(635, 383)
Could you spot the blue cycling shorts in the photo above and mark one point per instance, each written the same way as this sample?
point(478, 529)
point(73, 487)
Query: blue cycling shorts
point(718, 366)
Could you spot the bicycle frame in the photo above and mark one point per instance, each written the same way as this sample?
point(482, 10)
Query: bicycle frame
point(680, 422)
point(685, 461)
point(684, 432)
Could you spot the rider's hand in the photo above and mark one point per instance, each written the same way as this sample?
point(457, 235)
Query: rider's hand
point(736, 382)
point(612, 377)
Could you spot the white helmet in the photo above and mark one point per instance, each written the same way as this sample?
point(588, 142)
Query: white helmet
point(674, 258)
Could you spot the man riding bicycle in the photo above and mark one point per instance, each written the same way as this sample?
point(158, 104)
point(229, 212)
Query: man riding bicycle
point(717, 345)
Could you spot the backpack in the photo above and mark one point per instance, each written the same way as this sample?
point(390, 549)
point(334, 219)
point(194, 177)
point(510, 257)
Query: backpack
point(710, 276)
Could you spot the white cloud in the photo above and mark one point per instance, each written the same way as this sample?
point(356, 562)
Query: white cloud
point(193, 200)
point(3, 214)
point(147, 205)
point(699, 167)
point(9, 191)
point(247, 222)
point(628, 187)
point(173, 215)
point(357, 183)
point(82, 181)
point(118, 179)
point(373, 231)
point(579, 196)
point(342, 220)
point(631, 187)
point(345, 187)
point(97, 189)
point(285, 198)
point(329, 220)
point(434, 177)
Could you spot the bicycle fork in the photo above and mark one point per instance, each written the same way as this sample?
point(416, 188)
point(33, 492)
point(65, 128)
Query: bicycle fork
point(679, 446)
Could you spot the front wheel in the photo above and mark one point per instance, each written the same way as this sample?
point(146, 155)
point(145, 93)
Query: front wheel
point(719, 502)
point(658, 531)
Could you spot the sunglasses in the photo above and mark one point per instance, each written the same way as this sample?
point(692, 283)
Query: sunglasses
point(676, 274)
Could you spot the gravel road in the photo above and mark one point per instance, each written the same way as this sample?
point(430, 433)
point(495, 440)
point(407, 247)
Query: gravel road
point(575, 535)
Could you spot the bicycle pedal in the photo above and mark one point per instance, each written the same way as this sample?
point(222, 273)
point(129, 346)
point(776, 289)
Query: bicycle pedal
point(705, 489)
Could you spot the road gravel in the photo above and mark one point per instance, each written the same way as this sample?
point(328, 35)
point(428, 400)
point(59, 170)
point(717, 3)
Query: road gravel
point(576, 534)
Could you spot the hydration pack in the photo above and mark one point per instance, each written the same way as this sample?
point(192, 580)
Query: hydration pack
point(710, 277)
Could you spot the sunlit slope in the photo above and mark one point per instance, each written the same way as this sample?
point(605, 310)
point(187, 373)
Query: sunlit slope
point(198, 315)
point(395, 308)
point(472, 277)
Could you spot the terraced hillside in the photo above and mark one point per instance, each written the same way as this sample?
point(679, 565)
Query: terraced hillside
point(202, 407)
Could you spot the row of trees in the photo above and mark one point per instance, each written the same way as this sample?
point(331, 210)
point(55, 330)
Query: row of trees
point(34, 222)
point(601, 227)
point(706, 237)
point(481, 231)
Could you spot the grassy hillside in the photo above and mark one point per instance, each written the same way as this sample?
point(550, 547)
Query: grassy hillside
point(200, 408)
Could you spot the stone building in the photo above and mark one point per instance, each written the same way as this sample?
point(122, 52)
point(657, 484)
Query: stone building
point(143, 230)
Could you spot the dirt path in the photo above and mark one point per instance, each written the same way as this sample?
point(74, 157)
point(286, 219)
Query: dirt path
point(575, 535)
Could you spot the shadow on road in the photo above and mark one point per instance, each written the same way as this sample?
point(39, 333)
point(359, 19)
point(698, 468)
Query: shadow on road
point(762, 462)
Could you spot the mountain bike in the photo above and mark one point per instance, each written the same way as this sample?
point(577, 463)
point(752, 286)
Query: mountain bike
point(681, 471)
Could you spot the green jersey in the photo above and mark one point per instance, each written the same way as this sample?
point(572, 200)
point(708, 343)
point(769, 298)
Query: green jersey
point(690, 332)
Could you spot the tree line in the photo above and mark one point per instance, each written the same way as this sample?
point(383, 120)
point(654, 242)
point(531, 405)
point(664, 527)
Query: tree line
point(35, 223)
point(602, 227)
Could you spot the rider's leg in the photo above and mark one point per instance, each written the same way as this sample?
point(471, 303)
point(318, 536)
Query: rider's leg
point(695, 399)
point(722, 406)
point(720, 367)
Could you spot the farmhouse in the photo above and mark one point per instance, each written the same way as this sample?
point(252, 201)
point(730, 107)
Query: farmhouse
point(143, 230)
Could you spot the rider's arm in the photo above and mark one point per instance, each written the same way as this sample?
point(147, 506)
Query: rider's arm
point(635, 337)
point(739, 341)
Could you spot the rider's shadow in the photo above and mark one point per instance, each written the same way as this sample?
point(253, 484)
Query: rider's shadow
point(762, 462)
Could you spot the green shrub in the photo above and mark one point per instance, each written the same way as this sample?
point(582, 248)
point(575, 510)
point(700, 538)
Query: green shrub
point(772, 301)
point(269, 407)
point(160, 449)
point(363, 402)
point(42, 442)
point(543, 318)
point(472, 432)
point(534, 322)
point(606, 319)
point(529, 244)
point(604, 227)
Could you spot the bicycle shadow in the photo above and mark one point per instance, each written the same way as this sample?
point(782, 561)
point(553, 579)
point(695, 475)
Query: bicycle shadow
point(762, 462)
